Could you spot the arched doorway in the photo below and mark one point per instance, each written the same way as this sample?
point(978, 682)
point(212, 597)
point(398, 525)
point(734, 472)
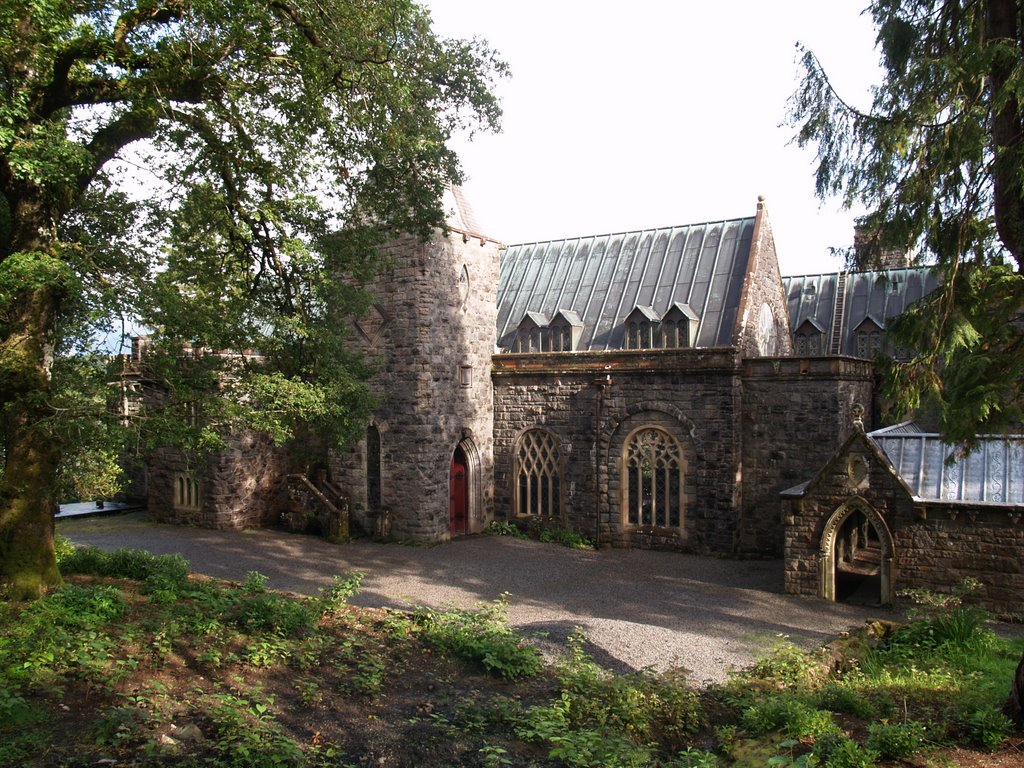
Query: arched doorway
point(458, 487)
point(855, 556)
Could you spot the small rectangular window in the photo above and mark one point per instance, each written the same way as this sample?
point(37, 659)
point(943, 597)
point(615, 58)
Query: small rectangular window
point(465, 375)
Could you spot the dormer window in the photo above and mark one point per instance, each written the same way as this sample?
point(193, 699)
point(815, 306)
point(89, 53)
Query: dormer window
point(641, 327)
point(530, 334)
point(809, 338)
point(870, 336)
point(564, 331)
point(679, 327)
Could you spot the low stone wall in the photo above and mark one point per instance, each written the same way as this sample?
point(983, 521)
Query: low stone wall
point(243, 486)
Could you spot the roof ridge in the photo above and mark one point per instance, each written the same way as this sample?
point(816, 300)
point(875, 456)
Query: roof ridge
point(631, 231)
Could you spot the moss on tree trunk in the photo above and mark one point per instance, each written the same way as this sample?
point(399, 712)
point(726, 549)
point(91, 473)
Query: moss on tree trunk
point(28, 564)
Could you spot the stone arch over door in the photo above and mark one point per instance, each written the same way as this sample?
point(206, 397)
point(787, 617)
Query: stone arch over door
point(855, 543)
point(466, 494)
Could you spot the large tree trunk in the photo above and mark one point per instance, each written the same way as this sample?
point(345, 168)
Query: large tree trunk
point(28, 565)
point(1015, 703)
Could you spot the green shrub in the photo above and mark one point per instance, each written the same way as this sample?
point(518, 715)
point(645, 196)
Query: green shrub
point(343, 588)
point(695, 758)
point(565, 537)
point(784, 666)
point(836, 697)
point(504, 528)
point(255, 582)
point(481, 637)
point(272, 613)
point(895, 741)
point(603, 719)
point(837, 750)
point(794, 718)
point(157, 572)
point(247, 735)
point(63, 548)
point(987, 727)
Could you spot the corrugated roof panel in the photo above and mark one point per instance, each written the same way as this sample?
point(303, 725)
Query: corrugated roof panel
point(607, 291)
point(603, 277)
point(554, 298)
point(654, 245)
point(700, 289)
point(993, 473)
point(654, 276)
point(668, 280)
point(880, 295)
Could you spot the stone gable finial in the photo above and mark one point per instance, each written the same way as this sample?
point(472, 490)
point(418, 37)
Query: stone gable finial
point(858, 417)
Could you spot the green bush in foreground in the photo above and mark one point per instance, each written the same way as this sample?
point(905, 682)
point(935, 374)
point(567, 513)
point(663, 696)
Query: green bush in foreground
point(482, 637)
point(932, 682)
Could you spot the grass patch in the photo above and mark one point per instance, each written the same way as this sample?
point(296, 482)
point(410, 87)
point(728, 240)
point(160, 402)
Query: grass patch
point(133, 662)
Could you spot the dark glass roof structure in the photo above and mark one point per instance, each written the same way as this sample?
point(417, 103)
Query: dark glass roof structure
point(603, 278)
point(840, 302)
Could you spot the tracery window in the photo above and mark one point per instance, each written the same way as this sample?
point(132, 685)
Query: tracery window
point(653, 468)
point(188, 492)
point(538, 483)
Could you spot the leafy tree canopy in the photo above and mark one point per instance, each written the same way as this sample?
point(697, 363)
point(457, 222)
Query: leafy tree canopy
point(221, 171)
point(938, 161)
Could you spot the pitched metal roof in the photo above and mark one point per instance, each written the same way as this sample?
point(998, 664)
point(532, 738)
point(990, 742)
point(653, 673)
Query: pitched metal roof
point(604, 277)
point(840, 302)
point(991, 474)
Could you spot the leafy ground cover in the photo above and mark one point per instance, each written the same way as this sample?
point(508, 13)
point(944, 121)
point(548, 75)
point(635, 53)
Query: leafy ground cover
point(135, 663)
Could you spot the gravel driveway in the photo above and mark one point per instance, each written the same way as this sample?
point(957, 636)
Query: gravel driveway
point(637, 608)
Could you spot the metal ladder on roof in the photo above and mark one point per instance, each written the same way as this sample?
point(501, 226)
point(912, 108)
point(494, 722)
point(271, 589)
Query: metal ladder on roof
point(836, 342)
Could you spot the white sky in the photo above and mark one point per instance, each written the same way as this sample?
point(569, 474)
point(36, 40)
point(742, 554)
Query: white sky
point(650, 113)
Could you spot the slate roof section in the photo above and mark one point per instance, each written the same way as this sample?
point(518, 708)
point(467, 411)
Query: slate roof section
point(991, 474)
point(879, 295)
point(604, 277)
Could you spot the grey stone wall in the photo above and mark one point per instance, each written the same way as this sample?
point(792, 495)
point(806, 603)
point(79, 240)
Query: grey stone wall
point(242, 487)
point(435, 312)
point(796, 414)
point(591, 403)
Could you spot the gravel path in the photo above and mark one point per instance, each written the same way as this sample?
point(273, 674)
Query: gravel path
point(637, 608)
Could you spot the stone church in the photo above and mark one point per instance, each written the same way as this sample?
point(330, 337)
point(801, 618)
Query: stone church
point(658, 388)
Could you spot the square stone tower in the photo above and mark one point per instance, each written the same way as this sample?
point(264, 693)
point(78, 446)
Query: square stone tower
point(425, 469)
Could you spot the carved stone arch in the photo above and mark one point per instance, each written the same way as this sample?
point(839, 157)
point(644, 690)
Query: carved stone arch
point(613, 421)
point(832, 536)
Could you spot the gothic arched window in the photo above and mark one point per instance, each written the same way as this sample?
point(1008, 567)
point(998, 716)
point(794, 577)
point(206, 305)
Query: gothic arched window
point(652, 468)
point(538, 484)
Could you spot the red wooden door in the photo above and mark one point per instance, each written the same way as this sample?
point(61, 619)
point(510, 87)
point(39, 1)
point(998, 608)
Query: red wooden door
point(458, 484)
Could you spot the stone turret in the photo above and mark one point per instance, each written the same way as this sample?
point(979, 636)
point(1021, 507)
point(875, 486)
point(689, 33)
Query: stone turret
point(425, 469)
